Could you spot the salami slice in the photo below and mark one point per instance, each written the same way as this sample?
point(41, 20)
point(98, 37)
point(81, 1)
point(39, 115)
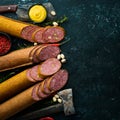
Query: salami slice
point(35, 93)
point(29, 34)
point(45, 88)
point(40, 92)
point(48, 52)
point(53, 34)
point(50, 66)
point(45, 52)
point(35, 58)
point(58, 80)
point(33, 52)
point(37, 35)
point(28, 74)
point(34, 74)
point(25, 31)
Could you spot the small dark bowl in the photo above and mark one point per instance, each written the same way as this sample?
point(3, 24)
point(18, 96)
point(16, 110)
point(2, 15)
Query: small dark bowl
point(5, 44)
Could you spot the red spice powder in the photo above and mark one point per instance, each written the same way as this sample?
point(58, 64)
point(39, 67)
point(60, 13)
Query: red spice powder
point(5, 44)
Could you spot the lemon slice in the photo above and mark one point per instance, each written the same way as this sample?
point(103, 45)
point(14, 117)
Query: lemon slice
point(37, 13)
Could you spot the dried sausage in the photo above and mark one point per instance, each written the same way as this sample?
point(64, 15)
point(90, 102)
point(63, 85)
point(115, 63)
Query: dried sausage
point(53, 34)
point(50, 66)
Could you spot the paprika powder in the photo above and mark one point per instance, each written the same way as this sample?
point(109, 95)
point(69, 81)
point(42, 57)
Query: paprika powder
point(5, 43)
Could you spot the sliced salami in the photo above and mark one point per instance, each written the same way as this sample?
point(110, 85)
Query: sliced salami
point(53, 34)
point(33, 52)
point(40, 92)
point(49, 67)
point(37, 35)
point(35, 93)
point(25, 31)
point(45, 52)
point(34, 74)
point(29, 34)
point(35, 58)
point(58, 80)
point(45, 87)
point(48, 52)
point(29, 76)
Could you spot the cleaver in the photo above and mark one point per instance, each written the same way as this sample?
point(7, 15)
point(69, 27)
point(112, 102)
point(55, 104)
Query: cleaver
point(22, 10)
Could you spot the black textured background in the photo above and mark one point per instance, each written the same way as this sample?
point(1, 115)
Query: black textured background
point(93, 56)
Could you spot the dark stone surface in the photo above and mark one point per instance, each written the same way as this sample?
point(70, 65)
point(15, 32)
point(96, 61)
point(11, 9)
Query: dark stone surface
point(93, 58)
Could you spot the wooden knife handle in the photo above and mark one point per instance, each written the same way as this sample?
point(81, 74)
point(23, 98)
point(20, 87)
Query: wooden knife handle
point(8, 8)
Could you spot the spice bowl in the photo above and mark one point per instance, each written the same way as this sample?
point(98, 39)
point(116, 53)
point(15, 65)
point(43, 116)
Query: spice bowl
point(5, 43)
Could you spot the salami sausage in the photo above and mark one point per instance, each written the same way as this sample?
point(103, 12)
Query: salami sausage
point(44, 87)
point(25, 31)
point(29, 75)
point(31, 53)
point(21, 29)
point(30, 33)
point(47, 68)
point(48, 51)
point(50, 66)
point(44, 52)
point(38, 34)
point(61, 76)
point(35, 93)
point(28, 56)
point(51, 84)
point(32, 95)
point(35, 74)
point(40, 93)
point(36, 51)
point(53, 34)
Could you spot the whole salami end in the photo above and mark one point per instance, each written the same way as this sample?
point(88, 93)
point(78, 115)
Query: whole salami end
point(58, 80)
point(50, 66)
point(5, 43)
point(53, 34)
point(48, 52)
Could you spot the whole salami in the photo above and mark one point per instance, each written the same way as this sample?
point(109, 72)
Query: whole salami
point(30, 32)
